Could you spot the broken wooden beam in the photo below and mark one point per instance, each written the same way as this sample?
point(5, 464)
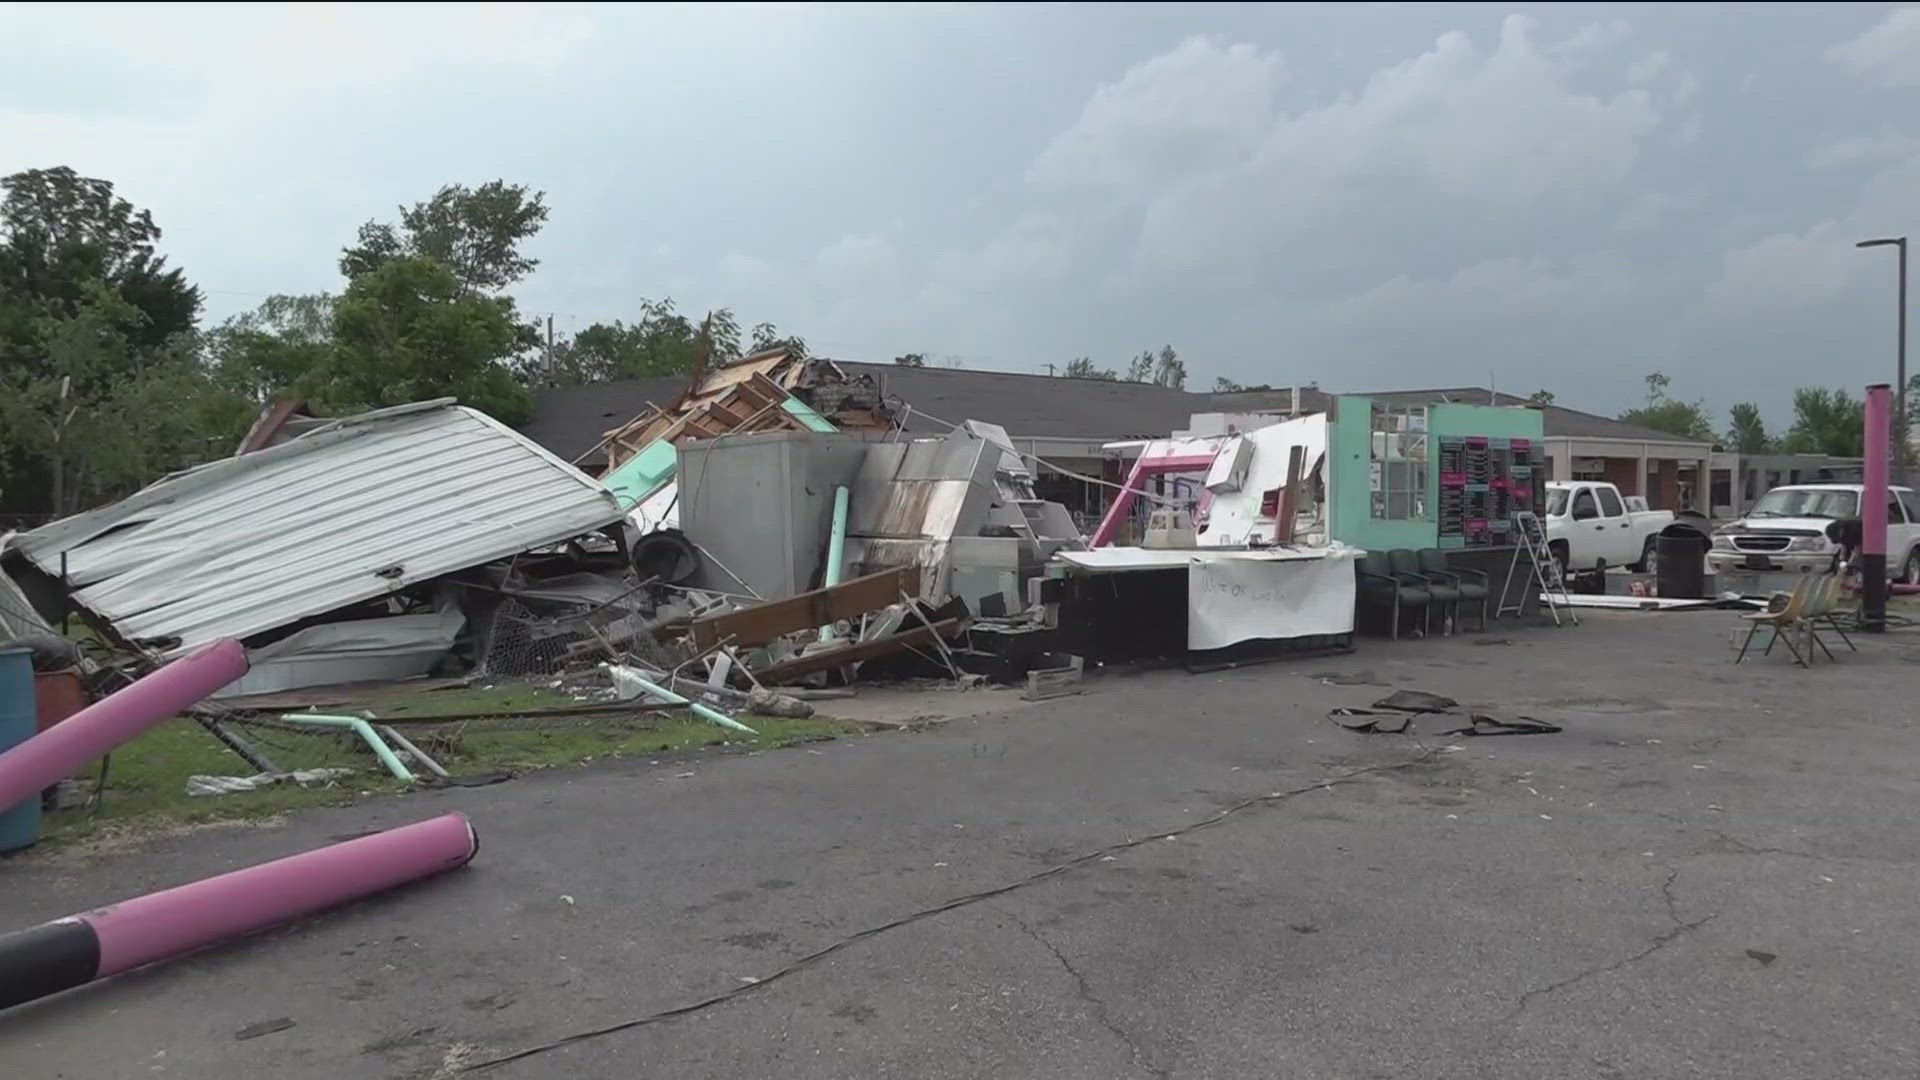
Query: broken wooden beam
point(828, 659)
point(764, 623)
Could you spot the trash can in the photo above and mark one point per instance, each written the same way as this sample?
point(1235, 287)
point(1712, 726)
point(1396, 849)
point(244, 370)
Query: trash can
point(19, 825)
point(1680, 552)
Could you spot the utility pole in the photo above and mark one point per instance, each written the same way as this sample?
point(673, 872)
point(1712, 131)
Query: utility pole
point(549, 348)
point(1900, 364)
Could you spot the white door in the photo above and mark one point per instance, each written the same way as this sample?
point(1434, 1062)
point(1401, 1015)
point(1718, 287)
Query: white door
point(1903, 530)
point(1619, 546)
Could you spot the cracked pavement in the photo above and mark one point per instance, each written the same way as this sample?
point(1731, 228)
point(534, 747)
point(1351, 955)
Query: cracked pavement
point(1710, 873)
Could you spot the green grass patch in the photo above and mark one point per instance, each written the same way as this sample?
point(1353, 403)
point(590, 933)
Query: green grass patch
point(506, 699)
point(146, 781)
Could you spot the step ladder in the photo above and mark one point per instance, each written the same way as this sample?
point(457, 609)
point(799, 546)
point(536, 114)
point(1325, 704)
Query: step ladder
point(1542, 573)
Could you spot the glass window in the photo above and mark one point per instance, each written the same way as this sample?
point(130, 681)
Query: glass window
point(1399, 462)
point(1894, 516)
point(1556, 502)
point(1610, 502)
point(1583, 505)
point(1807, 502)
point(1912, 503)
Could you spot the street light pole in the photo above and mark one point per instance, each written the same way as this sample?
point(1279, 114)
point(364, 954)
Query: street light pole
point(1900, 385)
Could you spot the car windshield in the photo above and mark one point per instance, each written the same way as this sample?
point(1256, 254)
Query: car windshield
point(1804, 502)
point(1556, 502)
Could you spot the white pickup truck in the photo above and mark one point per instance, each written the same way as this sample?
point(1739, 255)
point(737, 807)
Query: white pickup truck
point(1588, 524)
point(1787, 530)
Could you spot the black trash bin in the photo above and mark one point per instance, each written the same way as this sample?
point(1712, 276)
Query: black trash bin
point(1681, 554)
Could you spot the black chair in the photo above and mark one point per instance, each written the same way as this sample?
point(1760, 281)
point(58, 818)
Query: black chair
point(1433, 565)
point(1446, 598)
point(1380, 586)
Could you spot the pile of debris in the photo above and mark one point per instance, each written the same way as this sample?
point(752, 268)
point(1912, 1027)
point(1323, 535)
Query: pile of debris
point(769, 528)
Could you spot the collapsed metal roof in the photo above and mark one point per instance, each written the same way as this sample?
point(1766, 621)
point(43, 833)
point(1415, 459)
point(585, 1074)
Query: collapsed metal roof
point(357, 509)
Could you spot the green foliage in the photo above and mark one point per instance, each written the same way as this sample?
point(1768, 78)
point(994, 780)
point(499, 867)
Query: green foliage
point(1169, 370)
point(61, 235)
point(101, 386)
point(1224, 385)
point(409, 331)
point(474, 232)
point(1747, 433)
point(1542, 398)
point(1164, 368)
point(660, 342)
point(1081, 367)
point(1685, 419)
point(88, 428)
point(767, 337)
point(1826, 422)
point(912, 359)
point(273, 349)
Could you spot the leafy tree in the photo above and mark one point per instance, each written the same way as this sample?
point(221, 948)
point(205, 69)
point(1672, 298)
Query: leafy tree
point(274, 348)
point(475, 232)
point(1542, 398)
point(1748, 433)
point(766, 337)
point(89, 427)
point(1081, 367)
point(1169, 370)
point(912, 359)
point(1826, 422)
point(62, 236)
point(1224, 385)
point(410, 330)
point(92, 321)
point(1142, 367)
point(1686, 419)
point(660, 342)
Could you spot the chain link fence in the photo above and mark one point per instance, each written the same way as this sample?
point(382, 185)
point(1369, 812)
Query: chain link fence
point(535, 693)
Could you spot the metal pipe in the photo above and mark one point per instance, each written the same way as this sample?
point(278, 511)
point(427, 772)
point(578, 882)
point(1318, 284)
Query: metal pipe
point(43, 760)
point(1903, 451)
point(419, 755)
point(363, 729)
point(78, 949)
point(633, 679)
point(1873, 510)
point(836, 550)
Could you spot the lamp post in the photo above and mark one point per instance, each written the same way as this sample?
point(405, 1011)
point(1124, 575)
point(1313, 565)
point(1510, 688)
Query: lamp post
point(1900, 385)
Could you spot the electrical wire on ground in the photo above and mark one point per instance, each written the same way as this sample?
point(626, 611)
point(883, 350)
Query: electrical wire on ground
point(926, 913)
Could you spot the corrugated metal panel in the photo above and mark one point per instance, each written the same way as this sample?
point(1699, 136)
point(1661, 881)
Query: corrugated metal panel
point(346, 513)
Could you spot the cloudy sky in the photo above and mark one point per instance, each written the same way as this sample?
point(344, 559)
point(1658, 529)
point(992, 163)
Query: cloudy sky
point(1367, 196)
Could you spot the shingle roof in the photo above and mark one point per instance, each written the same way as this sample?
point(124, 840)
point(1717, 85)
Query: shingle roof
point(1039, 405)
point(1558, 421)
point(569, 420)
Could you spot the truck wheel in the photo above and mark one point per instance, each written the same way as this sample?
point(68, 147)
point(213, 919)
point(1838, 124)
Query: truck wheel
point(1910, 573)
point(1559, 553)
point(1649, 560)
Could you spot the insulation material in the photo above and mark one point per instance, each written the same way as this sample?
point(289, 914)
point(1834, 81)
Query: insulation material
point(1233, 600)
point(358, 650)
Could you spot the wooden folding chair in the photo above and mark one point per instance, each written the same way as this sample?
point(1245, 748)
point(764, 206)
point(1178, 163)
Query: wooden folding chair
point(1781, 622)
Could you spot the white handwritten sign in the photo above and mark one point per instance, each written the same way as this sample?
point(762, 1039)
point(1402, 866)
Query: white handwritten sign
point(1232, 600)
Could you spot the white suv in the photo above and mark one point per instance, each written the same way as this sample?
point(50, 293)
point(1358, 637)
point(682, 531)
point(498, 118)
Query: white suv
point(1787, 530)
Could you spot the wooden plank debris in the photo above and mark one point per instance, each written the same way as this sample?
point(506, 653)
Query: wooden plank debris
point(763, 623)
point(828, 659)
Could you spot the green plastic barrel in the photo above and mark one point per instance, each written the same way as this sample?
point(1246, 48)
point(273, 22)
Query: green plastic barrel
point(19, 825)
